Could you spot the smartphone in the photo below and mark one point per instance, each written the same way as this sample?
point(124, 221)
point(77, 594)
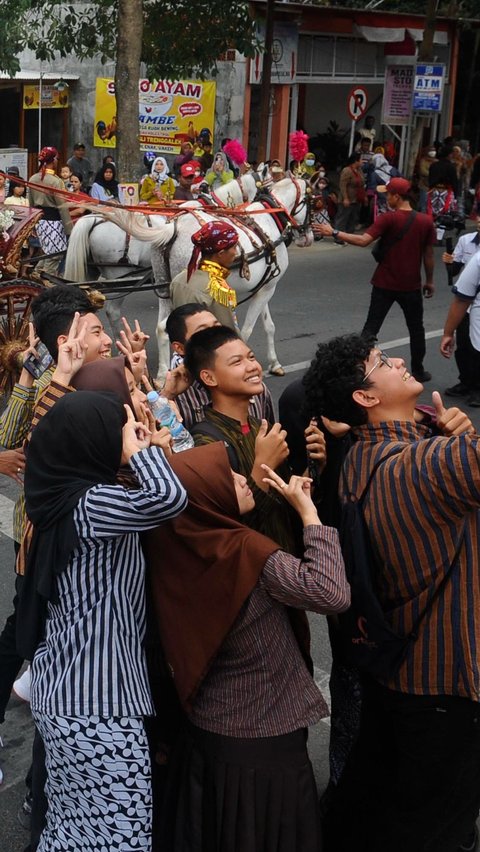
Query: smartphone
point(37, 366)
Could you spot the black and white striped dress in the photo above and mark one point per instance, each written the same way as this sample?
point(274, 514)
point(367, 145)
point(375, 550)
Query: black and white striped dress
point(91, 667)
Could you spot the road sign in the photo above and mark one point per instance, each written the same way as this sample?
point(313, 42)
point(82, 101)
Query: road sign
point(428, 87)
point(357, 102)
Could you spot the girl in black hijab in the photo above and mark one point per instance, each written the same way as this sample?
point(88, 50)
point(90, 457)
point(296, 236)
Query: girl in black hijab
point(105, 186)
point(89, 684)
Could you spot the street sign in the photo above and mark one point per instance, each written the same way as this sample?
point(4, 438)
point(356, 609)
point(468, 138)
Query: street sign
point(357, 102)
point(428, 87)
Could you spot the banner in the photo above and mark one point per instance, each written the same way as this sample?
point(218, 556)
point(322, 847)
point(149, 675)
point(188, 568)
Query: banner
point(52, 98)
point(397, 94)
point(169, 112)
point(284, 54)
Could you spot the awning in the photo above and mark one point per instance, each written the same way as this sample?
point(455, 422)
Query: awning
point(35, 76)
point(384, 35)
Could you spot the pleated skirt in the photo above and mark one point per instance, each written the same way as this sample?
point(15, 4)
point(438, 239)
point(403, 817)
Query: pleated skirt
point(226, 794)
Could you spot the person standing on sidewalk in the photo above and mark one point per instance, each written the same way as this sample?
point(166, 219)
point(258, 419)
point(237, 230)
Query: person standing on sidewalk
point(407, 240)
point(466, 295)
point(467, 246)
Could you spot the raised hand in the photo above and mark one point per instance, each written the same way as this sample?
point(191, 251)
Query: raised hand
point(451, 421)
point(135, 337)
point(136, 436)
point(71, 353)
point(297, 492)
point(26, 378)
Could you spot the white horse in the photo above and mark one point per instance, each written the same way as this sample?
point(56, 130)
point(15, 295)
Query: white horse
point(263, 254)
point(98, 247)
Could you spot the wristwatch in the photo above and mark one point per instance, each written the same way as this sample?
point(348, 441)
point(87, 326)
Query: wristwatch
point(335, 234)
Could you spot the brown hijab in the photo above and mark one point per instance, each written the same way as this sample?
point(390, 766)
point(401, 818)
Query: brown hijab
point(203, 566)
point(104, 374)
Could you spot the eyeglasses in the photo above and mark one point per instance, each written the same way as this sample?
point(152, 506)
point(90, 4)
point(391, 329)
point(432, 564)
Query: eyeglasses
point(382, 359)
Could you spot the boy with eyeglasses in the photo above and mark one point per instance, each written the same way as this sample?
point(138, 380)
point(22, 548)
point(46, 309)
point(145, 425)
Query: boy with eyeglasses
point(412, 780)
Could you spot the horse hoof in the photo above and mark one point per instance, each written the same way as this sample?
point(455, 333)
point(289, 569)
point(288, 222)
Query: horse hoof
point(277, 371)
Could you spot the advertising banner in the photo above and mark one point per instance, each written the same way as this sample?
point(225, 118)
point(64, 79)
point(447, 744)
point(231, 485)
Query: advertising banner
point(397, 94)
point(51, 98)
point(169, 112)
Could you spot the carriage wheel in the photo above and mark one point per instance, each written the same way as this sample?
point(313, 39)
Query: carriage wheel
point(15, 301)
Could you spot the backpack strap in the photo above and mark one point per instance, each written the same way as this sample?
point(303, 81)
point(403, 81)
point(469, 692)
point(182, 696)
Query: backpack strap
point(387, 245)
point(205, 427)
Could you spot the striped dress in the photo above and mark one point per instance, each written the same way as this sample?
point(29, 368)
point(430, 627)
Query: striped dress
point(419, 504)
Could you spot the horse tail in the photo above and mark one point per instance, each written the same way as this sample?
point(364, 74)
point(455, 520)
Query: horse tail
point(158, 235)
point(78, 248)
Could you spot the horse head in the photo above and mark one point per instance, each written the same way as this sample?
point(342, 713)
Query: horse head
point(295, 195)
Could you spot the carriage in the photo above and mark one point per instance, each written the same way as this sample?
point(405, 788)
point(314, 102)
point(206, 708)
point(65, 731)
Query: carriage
point(131, 271)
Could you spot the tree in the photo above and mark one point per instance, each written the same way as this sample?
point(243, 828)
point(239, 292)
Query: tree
point(175, 38)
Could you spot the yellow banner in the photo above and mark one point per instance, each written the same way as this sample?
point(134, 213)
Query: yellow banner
point(170, 112)
point(51, 98)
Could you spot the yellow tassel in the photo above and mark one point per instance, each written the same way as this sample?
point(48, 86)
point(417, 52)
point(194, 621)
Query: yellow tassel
point(218, 288)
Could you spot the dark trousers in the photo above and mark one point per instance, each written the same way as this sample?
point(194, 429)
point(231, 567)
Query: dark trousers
point(10, 662)
point(347, 217)
point(466, 356)
point(412, 782)
point(411, 303)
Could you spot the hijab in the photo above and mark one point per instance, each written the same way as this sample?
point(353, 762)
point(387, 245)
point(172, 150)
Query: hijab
point(382, 168)
point(203, 566)
point(76, 445)
point(110, 186)
point(159, 177)
point(104, 374)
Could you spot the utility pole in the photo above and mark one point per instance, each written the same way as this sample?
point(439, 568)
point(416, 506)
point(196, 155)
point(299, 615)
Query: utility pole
point(266, 83)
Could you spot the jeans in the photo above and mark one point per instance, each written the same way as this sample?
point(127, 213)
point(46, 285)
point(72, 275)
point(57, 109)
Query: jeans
point(412, 782)
point(411, 303)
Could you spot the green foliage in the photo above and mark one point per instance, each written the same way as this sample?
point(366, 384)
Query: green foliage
point(181, 38)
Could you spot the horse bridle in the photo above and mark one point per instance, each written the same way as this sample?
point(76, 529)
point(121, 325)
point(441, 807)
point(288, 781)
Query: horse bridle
point(298, 206)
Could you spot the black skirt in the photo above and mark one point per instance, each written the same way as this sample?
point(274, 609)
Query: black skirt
point(227, 794)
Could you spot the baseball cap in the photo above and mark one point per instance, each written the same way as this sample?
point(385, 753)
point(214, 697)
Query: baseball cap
point(13, 170)
point(398, 185)
point(78, 145)
point(187, 170)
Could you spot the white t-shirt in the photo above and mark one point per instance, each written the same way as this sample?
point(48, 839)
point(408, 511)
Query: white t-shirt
point(468, 287)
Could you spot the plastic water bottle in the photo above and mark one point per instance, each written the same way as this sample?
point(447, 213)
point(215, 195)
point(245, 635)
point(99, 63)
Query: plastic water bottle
point(182, 440)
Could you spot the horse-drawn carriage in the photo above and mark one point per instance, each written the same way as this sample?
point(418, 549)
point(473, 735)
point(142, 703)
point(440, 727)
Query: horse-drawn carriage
point(116, 252)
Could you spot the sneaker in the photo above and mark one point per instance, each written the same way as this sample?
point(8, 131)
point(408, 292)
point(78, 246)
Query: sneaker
point(470, 844)
point(421, 375)
point(24, 815)
point(474, 399)
point(457, 390)
point(21, 687)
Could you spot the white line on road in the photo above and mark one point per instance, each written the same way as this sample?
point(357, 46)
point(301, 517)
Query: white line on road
point(388, 344)
point(6, 516)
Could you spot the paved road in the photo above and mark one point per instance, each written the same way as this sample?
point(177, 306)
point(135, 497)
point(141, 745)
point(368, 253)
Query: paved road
point(325, 292)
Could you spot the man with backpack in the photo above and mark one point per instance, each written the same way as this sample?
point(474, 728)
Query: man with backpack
point(412, 781)
point(406, 241)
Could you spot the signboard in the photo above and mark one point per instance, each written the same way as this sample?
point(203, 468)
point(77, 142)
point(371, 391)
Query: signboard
point(397, 94)
point(357, 102)
point(428, 87)
point(169, 112)
point(14, 157)
point(128, 194)
point(284, 54)
point(52, 98)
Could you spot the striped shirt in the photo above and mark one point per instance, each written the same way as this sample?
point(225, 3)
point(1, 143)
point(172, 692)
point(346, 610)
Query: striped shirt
point(15, 425)
point(419, 503)
point(193, 402)
point(258, 685)
point(92, 660)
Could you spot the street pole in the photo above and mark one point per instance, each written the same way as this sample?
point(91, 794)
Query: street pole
point(266, 83)
point(40, 95)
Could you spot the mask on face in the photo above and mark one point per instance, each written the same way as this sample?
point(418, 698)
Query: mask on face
point(432, 154)
point(321, 173)
point(310, 162)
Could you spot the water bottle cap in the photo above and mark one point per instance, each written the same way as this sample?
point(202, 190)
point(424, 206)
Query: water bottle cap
point(152, 396)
